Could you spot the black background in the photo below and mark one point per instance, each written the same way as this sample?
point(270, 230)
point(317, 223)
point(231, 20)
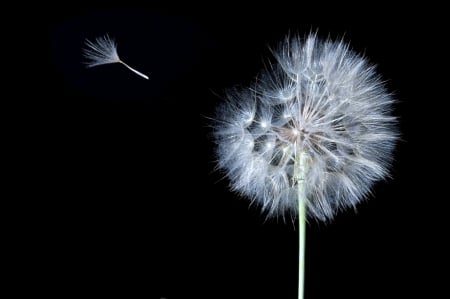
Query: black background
point(133, 206)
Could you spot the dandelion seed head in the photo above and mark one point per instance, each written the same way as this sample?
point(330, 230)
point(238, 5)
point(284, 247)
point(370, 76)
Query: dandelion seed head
point(320, 98)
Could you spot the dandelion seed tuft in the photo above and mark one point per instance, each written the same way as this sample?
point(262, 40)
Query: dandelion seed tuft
point(104, 51)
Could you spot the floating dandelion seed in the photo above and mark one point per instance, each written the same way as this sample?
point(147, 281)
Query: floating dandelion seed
point(312, 137)
point(104, 51)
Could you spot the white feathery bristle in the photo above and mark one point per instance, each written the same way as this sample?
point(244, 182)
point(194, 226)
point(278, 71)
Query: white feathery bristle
point(102, 51)
point(322, 99)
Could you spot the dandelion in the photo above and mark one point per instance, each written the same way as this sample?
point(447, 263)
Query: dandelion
point(312, 137)
point(104, 51)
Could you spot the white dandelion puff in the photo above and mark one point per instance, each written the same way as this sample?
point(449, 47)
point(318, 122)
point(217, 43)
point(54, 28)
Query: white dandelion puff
point(320, 100)
point(104, 51)
point(313, 135)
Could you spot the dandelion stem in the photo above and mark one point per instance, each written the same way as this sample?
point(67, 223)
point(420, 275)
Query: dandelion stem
point(133, 70)
point(301, 169)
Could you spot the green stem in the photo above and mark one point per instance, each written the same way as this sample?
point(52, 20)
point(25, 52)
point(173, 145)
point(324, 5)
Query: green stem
point(301, 247)
point(301, 168)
